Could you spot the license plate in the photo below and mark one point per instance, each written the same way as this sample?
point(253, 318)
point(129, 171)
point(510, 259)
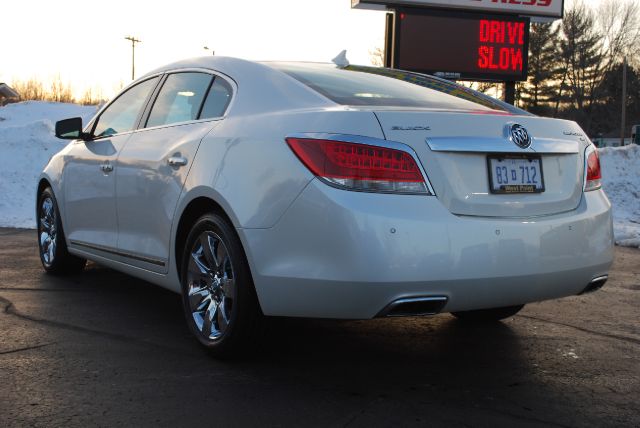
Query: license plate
point(511, 174)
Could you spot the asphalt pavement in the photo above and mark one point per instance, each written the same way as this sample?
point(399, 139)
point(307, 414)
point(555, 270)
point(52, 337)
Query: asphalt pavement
point(100, 348)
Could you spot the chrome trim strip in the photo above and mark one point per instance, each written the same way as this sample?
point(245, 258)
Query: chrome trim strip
point(371, 141)
point(517, 217)
point(552, 145)
point(150, 260)
point(500, 145)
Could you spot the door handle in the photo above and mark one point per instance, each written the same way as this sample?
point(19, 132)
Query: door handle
point(177, 161)
point(106, 167)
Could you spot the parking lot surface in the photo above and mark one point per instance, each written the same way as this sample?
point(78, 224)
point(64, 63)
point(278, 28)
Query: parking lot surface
point(101, 348)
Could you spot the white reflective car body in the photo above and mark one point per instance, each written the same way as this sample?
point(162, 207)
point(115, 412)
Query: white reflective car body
point(318, 250)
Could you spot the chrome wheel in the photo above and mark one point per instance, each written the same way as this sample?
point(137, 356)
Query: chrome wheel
point(210, 285)
point(48, 230)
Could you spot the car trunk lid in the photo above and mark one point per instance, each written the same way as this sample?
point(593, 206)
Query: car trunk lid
point(454, 146)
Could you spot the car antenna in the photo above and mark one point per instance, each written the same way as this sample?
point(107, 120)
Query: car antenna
point(341, 59)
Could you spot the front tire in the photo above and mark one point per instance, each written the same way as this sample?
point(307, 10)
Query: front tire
point(488, 315)
point(219, 299)
point(52, 244)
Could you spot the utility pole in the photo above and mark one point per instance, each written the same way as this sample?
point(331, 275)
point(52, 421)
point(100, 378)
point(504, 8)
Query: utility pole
point(206, 48)
point(624, 100)
point(133, 55)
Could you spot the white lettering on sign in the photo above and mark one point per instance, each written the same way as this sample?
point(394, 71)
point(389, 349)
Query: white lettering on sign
point(546, 8)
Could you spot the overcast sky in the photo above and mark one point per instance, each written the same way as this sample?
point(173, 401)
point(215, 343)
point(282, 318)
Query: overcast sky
point(83, 41)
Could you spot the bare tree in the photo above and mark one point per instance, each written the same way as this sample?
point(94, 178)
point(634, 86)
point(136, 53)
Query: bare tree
point(31, 89)
point(87, 97)
point(619, 22)
point(60, 92)
point(593, 43)
point(34, 89)
point(91, 96)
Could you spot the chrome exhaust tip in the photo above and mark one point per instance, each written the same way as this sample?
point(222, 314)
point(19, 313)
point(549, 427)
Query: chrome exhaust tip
point(595, 284)
point(414, 306)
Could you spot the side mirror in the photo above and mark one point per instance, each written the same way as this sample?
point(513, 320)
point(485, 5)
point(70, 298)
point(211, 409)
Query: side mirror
point(70, 129)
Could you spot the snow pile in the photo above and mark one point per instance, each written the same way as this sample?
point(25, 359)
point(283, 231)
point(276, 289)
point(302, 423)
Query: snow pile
point(621, 182)
point(27, 142)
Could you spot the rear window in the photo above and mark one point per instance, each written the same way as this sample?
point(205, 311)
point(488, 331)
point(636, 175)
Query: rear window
point(374, 86)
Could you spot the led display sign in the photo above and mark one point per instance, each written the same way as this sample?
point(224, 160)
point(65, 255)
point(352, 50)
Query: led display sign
point(461, 46)
point(542, 8)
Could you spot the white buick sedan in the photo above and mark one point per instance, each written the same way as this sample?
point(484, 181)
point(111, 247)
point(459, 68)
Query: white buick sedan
point(324, 190)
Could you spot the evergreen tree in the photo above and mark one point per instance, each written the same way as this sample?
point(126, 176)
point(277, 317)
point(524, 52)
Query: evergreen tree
point(537, 92)
point(581, 64)
point(607, 109)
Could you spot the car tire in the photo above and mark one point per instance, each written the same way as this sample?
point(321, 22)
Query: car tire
point(52, 244)
point(219, 299)
point(488, 315)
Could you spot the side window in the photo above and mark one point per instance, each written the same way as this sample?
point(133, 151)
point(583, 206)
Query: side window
point(217, 100)
point(179, 99)
point(121, 115)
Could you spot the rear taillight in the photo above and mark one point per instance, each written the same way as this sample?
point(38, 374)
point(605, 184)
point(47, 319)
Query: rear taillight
point(592, 167)
point(358, 166)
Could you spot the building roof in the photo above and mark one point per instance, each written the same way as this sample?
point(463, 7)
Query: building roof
point(7, 91)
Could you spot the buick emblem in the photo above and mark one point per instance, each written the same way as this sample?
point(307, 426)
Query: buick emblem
point(520, 136)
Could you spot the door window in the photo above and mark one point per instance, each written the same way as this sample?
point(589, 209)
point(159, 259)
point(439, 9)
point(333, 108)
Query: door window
point(179, 99)
point(122, 114)
point(217, 100)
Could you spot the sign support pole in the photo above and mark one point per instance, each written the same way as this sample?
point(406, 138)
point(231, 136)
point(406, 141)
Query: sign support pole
point(388, 40)
point(510, 92)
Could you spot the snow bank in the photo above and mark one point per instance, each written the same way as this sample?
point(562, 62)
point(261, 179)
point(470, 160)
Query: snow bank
point(621, 182)
point(27, 142)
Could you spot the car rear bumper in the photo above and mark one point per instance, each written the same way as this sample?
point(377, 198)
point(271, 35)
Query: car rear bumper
point(341, 254)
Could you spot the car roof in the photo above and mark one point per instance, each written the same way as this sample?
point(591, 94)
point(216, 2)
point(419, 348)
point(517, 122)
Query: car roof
point(221, 63)
point(264, 88)
point(259, 87)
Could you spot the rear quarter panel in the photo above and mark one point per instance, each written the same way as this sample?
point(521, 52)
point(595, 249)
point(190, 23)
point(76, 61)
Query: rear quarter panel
point(248, 164)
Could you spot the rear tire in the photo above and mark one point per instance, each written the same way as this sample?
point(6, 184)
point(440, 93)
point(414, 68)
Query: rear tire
point(219, 300)
point(488, 315)
point(52, 243)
